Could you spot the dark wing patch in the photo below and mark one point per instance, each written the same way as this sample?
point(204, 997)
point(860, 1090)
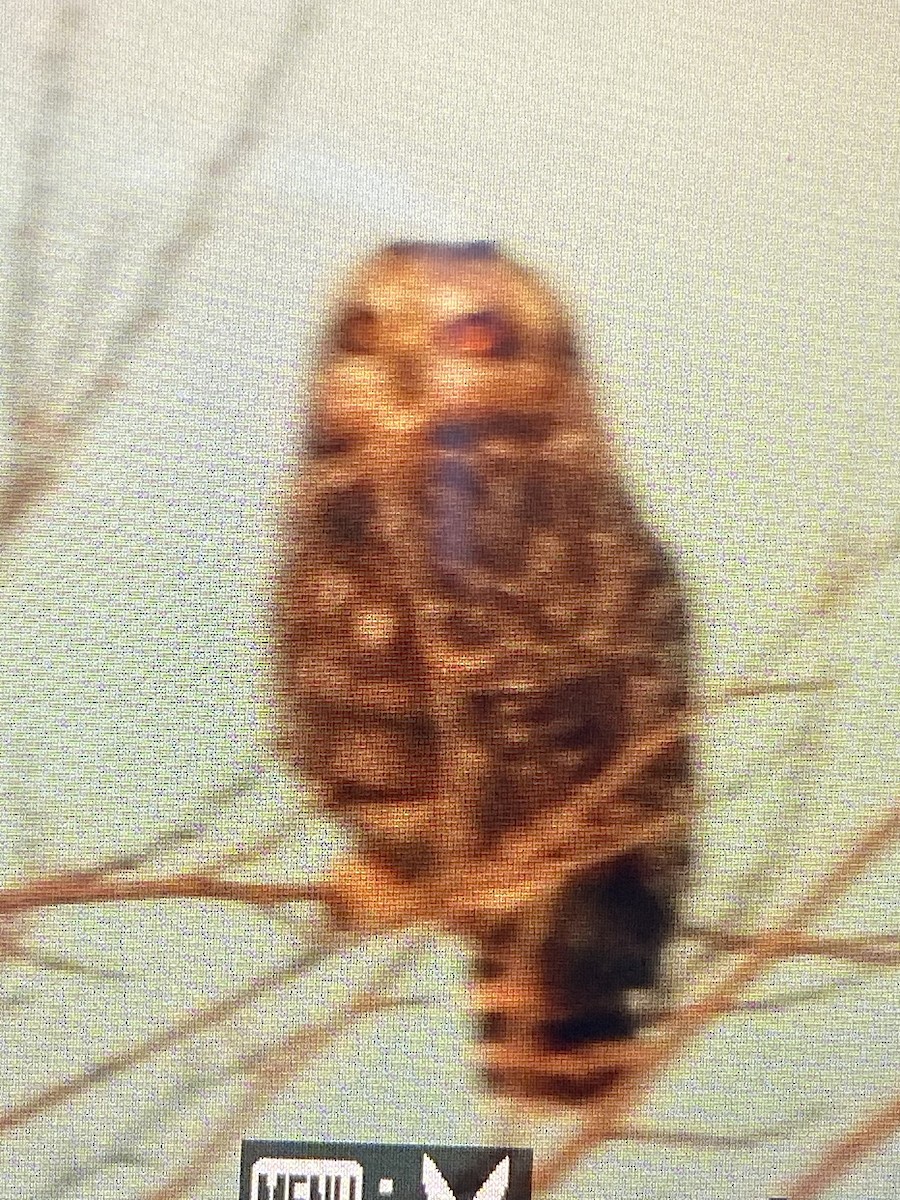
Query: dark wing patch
point(606, 937)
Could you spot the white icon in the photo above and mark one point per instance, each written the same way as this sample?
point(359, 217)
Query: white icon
point(302, 1178)
point(437, 1188)
point(385, 1187)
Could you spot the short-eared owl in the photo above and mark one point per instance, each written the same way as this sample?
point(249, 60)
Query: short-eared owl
point(481, 653)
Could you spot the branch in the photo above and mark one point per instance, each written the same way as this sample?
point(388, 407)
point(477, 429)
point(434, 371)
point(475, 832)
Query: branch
point(29, 234)
point(43, 441)
point(194, 1022)
point(607, 1120)
point(87, 888)
point(879, 949)
point(272, 1068)
point(865, 1137)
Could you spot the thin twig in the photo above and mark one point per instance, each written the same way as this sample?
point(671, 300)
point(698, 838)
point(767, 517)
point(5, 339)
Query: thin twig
point(79, 888)
point(42, 154)
point(45, 441)
point(841, 1155)
point(242, 138)
point(758, 689)
point(680, 1029)
point(881, 949)
point(274, 1068)
point(193, 1022)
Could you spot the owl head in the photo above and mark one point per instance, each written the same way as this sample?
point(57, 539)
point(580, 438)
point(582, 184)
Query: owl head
point(428, 334)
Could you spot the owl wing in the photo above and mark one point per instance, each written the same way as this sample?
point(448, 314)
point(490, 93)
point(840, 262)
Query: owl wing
point(593, 796)
point(578, 616)
point(351, 690)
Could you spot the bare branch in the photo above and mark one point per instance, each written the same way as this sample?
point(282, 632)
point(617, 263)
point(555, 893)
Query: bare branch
point(86, 888)
point(192, 1023)
point(877, 949)
point(608, 1120)
point(30, 233)
point(274, 1067)
point(43, 440)
point(215, 174)
point(843, 1154)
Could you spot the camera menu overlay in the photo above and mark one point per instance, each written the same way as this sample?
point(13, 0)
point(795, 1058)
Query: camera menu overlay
point(353, 1171)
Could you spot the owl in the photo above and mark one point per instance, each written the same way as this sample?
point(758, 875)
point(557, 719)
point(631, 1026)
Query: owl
point(481, 657)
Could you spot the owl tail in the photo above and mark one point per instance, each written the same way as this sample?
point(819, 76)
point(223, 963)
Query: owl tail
point(563, 988)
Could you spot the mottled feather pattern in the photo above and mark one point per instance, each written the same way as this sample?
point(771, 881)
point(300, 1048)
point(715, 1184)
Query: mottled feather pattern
point(474, 627)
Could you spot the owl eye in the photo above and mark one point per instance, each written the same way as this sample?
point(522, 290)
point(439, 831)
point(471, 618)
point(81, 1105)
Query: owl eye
point(482, 335)
point(357, 331)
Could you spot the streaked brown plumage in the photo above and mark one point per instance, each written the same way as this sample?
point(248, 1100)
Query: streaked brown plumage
point(481, 654)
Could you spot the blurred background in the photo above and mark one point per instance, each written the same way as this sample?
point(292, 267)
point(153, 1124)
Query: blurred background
point(182, 189)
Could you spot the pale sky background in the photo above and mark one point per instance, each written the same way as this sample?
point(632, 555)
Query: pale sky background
point(714, 187)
